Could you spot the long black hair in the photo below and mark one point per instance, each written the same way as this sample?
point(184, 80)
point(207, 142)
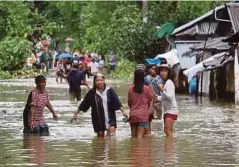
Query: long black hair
point(138, 81)
point(171, 74)
point(94, 80)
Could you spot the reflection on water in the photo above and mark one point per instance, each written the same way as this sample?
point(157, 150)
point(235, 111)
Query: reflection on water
point(35, 146)
point(170, 156)
point(206, 134)
point(141, 153)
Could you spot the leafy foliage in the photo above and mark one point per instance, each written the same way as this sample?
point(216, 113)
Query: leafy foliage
point(96, 26)
point(13, 51)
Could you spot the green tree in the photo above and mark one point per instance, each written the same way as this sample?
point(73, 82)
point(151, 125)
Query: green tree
point(14, 47)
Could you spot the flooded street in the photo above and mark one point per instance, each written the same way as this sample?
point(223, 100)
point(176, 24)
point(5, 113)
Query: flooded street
point(206, 134)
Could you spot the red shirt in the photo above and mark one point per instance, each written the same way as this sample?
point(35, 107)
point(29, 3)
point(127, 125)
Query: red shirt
point(139, 104)
point(87, 61)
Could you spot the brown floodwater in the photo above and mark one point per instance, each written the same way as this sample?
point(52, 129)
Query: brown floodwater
point(206, 134)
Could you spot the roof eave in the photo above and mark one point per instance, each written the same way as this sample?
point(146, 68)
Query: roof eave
point(191, 23)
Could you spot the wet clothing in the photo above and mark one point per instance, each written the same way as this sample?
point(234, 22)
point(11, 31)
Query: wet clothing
point(27, 111)
point(75, 77)
point(41, 129)
point(103, 108)
point(143, 124)
point(139, 104)
point(39, 100)
point(169, 101)
point(75, 95)
point(171, 116)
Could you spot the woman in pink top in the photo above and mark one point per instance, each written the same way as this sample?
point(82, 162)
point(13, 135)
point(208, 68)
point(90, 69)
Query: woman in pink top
point(139, 100)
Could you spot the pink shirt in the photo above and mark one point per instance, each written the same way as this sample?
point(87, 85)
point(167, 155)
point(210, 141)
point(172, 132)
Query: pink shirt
point(39, 100)
point(139, 104)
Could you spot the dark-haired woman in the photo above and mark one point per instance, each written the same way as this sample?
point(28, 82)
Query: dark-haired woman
point(139, 100)
point(104, 103)
point(170, 106)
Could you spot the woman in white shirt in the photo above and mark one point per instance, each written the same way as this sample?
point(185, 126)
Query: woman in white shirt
point(170, 106)
point(94, 67)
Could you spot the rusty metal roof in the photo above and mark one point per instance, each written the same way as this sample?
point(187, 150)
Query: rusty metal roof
point(233, 10)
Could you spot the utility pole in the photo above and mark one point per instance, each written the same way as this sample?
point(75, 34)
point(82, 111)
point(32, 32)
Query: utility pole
point(145, 11)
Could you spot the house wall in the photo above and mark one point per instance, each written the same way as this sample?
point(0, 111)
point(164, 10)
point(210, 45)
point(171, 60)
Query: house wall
point(230, 77)
point(183, 47)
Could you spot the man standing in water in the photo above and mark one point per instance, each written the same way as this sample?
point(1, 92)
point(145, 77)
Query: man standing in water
point(75, 79)
point(38, 99)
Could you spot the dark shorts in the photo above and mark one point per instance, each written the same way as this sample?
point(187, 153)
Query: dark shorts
point(141, 124)
point(75, 94)
point(171, 116)
point(42, 129)
point(112, 122)
point(60, 73)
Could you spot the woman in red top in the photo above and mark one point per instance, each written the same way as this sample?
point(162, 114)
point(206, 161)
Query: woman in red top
point(139, 100)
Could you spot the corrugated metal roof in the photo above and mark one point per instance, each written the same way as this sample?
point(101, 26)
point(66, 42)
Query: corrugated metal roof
point(233, 10)
point(233, 38)
point(191, 23)
point(203, 28)
point(189, 31)
point(182, 47)
point(213, 43)
point(218, 61)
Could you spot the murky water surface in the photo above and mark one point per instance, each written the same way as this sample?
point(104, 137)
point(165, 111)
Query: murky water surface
point(206, 134)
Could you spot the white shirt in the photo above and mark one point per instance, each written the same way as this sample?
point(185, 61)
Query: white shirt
point(169, 101)
point(94, 67)
point(103, 96)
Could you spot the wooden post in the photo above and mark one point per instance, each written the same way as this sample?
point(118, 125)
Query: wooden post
point(236, 76)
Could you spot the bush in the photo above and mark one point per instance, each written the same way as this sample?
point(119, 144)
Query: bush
point(124, 70)
point(13, 53)
point(5, 75)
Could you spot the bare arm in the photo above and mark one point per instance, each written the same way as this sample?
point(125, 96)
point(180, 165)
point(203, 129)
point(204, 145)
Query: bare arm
point(33, 111)
point(49, 106)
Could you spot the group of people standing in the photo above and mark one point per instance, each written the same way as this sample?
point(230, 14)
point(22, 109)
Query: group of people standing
point(93, 63)
point(151, 95)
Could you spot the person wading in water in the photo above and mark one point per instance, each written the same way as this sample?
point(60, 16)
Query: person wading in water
point(104, 103)
point(140, 98)
point(170, 106)
point(38, 99)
